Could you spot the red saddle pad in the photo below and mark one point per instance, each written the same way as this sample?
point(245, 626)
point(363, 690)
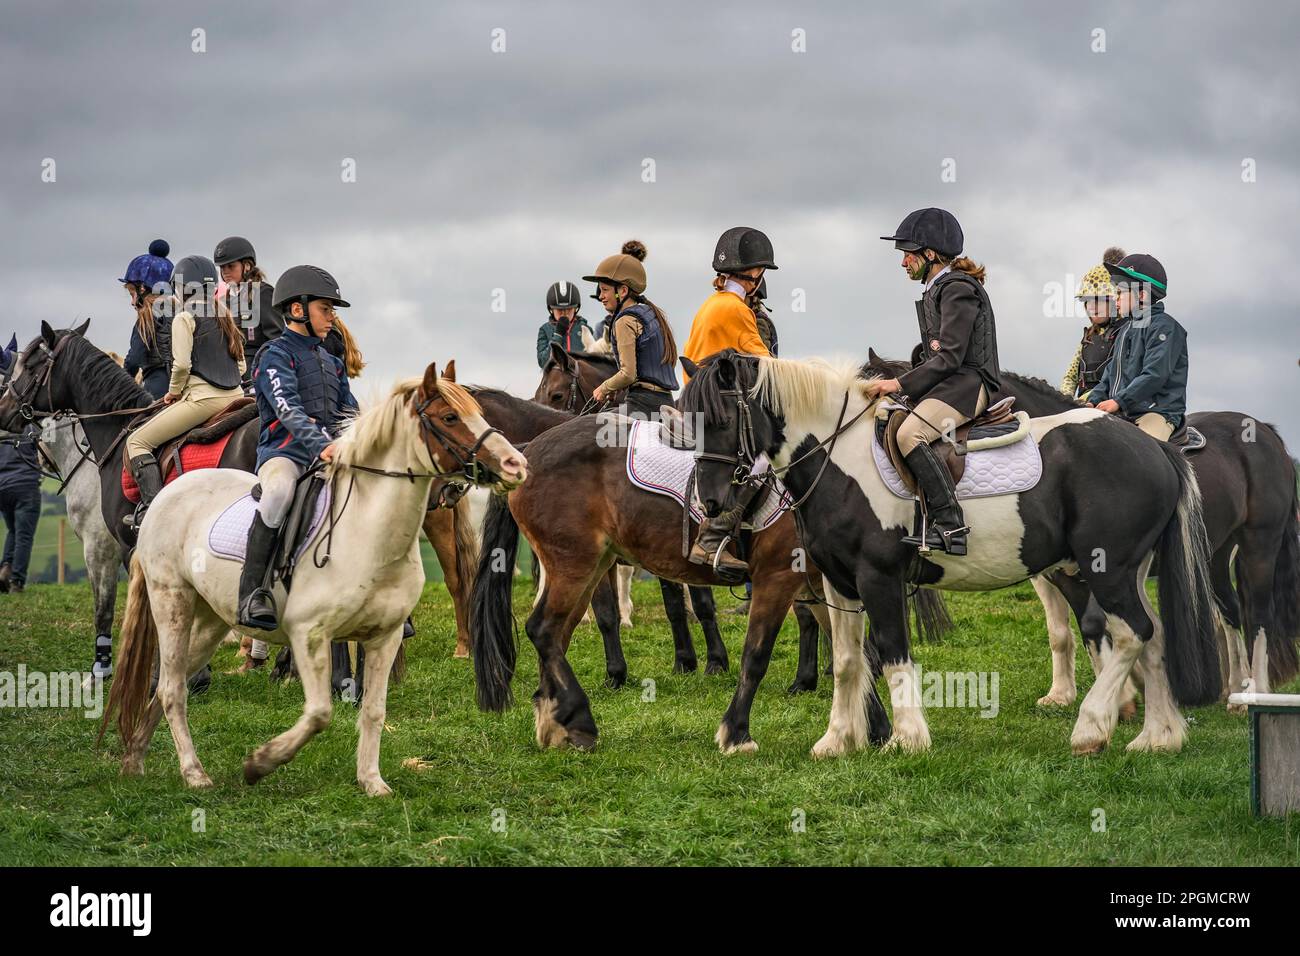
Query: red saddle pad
point(192, 456)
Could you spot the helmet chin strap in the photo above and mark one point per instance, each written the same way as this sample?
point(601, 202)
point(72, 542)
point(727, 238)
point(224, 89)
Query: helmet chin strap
point(923, 270)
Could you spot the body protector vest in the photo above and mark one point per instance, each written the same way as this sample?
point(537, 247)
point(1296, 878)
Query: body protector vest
point(982, 351)
point(1095, 353)
point(210, 359)
point(650, 364)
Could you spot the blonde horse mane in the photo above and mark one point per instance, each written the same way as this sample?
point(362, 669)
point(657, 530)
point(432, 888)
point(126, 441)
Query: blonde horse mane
point(390, 421)
point(806, 388)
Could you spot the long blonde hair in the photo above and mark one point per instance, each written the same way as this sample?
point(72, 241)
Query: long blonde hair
point(352, 358)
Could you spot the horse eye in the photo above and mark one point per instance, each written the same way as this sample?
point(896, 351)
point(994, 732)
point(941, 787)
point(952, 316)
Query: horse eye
point(449, 418)
point(557, 396)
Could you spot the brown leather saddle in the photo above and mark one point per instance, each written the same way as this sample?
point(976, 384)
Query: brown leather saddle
point(235, 415)
point(997, 419)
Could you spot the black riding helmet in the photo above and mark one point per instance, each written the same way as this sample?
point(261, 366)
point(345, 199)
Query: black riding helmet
point(233, 249)
point(929, 228)
point(1140, 268)
point(563, 295)
point(193, 271)
point(741, 248)
point(306, 283)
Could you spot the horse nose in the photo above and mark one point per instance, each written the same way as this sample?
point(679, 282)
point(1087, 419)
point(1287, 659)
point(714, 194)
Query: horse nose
point(712, 507)
point(514, 465)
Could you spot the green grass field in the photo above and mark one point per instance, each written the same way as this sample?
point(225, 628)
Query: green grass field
point(1001, 790)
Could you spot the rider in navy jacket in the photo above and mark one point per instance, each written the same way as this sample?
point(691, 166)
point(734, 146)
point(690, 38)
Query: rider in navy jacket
point(303, 397)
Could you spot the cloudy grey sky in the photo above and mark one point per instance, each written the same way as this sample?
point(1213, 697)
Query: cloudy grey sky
point(478, 170)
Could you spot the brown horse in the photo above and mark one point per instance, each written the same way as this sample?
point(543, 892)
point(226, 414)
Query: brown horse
point(577, 537)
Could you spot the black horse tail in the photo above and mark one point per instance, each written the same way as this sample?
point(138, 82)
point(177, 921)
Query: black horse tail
point(931, 617)
point(492, 623)
point(1187, 611)
point(1282, 662)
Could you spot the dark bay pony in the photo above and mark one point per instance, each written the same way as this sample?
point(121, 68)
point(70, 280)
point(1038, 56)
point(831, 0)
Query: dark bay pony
point(568, 381)
point(1248, 490)
point(1146, 505)
point(580, 514)
point(61, 371)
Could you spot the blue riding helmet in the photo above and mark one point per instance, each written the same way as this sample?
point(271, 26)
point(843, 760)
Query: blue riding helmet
point(151, 268)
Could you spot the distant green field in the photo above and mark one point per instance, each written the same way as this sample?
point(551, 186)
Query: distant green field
point(999, 790)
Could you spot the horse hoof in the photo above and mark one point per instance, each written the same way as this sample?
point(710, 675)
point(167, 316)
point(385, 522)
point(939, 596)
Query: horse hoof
point(376, 788)
point(828, 746)
point(801, 687)
point(625, 624)
point(1088, 749)
point(1051, 701)
point(582, 740)
point(198, 781)
point(615, 681)
point(253, 771)
point(460, 653)
point(685, 667)
point(1237, 708)
point(132, 767)
point(744, 747)
point(713, 668)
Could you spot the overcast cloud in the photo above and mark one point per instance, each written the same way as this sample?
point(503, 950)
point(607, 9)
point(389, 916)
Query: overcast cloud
point(478, 170)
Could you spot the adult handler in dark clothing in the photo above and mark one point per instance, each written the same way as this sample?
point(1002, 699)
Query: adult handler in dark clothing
point(20, 500)
point(955, 375)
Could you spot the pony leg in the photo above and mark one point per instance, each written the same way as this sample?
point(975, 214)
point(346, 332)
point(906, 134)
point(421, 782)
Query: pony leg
point(1130, 625)
point(716, 661)
point(174, 612)
point(370, 722)
point(624, 574)
point(767, 609)
point(847, 730)
point(1232, 648)
point(604, 604)
point(684, 659)
point(805, 678)
point(1163, 727)
point(311, 654)
point(1061, 640)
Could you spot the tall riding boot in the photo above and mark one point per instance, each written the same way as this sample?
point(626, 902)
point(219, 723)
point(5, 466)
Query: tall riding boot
point(713, 536)
point(256, 602)
point(148, 476)
point(945, 528)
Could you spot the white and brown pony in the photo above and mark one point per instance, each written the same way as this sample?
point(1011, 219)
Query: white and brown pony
point(182, 598)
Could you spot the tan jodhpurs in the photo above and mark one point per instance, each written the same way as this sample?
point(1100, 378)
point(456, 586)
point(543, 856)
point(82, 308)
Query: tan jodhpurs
point(196, 405)
point(931, 419)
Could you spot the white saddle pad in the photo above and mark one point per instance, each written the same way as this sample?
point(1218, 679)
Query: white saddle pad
point(1007, 470)
point(663, 470)
point(228, 537)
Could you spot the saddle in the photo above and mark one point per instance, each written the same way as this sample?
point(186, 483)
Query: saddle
point(228, 536)
point(1187, 439)
point(213, 431)
point(997, 425)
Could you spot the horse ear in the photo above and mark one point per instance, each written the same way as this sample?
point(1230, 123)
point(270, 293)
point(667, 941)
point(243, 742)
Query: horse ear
point(691, 368)
point(449, 373)
point(429, 386)
point(81, 329)
point(873, 358)
point(561, 357)
point(726, 371)
point(47, 333)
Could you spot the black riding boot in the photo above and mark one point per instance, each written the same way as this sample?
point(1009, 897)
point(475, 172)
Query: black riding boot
point(148, 476)
point(945, 528)
point(256, 602)
point(713, 535)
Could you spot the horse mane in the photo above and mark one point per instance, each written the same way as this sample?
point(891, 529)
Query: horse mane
point(386, 423)
point(601, 359)
point(543, 412)
point(805, 388)
point(99, 376)
point(1043, 388)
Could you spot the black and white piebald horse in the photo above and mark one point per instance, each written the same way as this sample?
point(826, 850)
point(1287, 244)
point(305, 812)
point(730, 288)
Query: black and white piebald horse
point(815, 422)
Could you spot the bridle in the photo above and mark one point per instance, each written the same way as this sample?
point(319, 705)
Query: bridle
point(579, 402)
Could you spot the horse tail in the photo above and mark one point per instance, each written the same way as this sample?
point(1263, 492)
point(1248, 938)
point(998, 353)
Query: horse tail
point(466, 544)
point(931, 617)
point(492, 625)
point(1187, 610)
point(137, 648)
point(1282, 661)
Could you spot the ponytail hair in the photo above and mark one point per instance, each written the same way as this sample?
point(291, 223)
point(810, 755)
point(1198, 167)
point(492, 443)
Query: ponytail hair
point(972, 268)
point(352, 359)
point(144, 322)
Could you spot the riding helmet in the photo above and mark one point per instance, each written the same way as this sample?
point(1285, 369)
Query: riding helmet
point(233, 249)
point(194, 271)
point(622, 269)
point(929, 228)
point(1096, 282)
point(742, 247)
point(306, 282)
point(151, 268)
point(563, 295)
point(1141, 268)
